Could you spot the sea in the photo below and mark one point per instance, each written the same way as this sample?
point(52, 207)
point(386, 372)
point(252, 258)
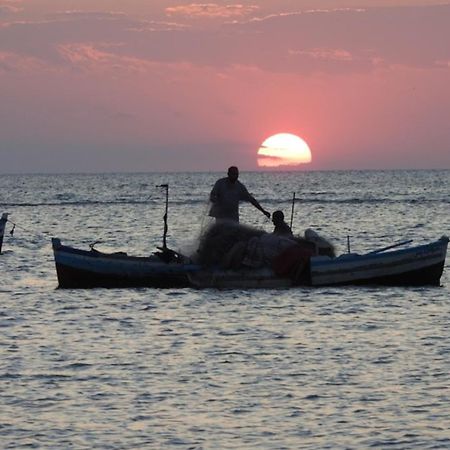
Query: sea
point(303, 368)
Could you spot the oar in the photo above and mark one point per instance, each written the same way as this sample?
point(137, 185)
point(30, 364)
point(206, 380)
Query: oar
point(390, 246)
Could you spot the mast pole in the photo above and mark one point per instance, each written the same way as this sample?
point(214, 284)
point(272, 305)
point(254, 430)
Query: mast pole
point(292, 210)
point(166, 187)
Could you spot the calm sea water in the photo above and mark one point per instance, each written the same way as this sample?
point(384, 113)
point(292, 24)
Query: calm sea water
point(338, 368)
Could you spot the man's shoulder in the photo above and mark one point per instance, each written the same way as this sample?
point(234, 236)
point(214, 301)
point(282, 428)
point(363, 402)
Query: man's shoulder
point(220, 182)
point(241, 185)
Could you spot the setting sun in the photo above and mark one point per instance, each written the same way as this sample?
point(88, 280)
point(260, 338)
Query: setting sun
point(283, 149)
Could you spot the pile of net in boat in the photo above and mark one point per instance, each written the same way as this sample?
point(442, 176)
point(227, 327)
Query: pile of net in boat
point(230, 245)
point(219, 239)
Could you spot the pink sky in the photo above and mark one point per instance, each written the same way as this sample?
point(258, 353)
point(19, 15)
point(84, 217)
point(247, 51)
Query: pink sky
point(109, 85)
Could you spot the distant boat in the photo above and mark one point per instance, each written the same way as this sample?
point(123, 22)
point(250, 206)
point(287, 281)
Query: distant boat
point(3, 221)
point(415, 266)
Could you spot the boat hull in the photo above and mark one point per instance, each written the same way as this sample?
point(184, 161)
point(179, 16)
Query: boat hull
point(417, 266)
point(91, 269)
point(238, 279)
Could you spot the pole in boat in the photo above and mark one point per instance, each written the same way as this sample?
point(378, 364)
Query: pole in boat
point(166, 187)
point(348, 243)
point(398, 244)
point(3, 221)
point(292, 211)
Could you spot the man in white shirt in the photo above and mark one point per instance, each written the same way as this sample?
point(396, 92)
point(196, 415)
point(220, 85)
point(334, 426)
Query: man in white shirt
point(226, 195)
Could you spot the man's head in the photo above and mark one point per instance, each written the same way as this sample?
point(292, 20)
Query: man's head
point(277, 217)
point(233, 173)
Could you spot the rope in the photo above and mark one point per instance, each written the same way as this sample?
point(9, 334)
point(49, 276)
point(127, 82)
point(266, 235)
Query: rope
point(48, 235)
point(20, 227)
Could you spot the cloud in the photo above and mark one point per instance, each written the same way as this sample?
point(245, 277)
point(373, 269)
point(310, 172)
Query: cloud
point(9, 9)
point(281, 15)
point(443, 63)
point(211, 10)
point(331, 41)
point(325, 53)
point(362, 38)
point(96, 15)
point(16, 63)
point(92, 57)
point(150, 26)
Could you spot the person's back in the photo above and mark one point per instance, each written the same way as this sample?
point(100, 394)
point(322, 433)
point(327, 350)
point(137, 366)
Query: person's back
point(226, 195)
point(281, 227)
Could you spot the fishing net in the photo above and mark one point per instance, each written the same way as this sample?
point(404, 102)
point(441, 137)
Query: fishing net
point(230, 245)
point(217, 241)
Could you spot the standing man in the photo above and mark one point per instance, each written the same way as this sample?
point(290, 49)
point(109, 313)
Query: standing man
point(226, 195)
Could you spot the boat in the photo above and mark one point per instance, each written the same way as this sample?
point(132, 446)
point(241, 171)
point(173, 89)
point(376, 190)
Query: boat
point(414, 266)
point(233, 256)
point(92, 268)
point(420, 265)
point(3, 221)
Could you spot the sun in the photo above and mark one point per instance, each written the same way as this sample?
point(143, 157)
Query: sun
point(283, 149)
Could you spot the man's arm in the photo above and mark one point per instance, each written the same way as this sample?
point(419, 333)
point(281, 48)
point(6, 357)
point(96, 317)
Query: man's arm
point(255, 203)
point(214, 195)
point(245, 195)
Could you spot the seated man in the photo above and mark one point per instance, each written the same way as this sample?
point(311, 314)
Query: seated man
point(281, 227)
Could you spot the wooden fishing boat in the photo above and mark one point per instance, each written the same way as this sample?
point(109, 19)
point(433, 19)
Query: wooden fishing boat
point(415, 266)
point(3, 221)
point(299, 262)
point(91, 268)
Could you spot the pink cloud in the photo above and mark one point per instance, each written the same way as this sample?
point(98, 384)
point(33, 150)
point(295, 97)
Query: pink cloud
point(150, 26)
point(9, 9)
point(13, 62)
point(333, 41)
point(325, 53)
point(211, 10)
point(89, 15)
point(90, 57)
point(443, 63)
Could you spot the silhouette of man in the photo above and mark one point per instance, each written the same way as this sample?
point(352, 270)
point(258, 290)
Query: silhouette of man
point(226, 195)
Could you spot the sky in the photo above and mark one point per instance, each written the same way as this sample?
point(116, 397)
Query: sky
point(174, 85)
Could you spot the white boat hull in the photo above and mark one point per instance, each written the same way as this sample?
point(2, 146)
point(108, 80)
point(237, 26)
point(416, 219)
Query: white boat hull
point(411, 266)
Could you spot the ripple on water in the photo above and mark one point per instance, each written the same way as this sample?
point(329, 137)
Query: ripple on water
point(278, 369)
